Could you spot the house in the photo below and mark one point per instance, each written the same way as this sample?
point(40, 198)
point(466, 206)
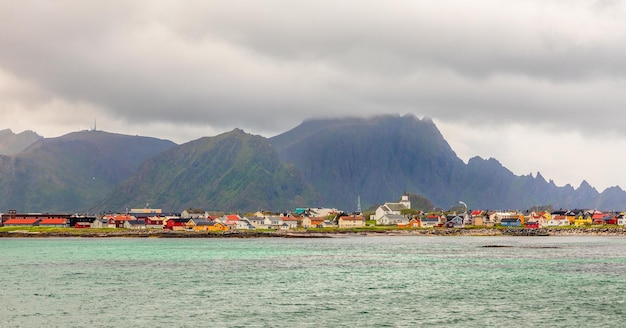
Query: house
point(532, 225)
point(430, 221)
point(312, 221)
point(154, 222)
point(415, 223)
point(558, 220)
point(82, 225)
point(231, 217)
point(198, 224)
point(117, 221)
point(217, 226)
point(175, 224)
point(12, 214)
point(609, 218)
point(135, 224)
point(291, 222)
point(482, 221)
point(497, 217)
point(21, 222)
point(275, 222)
point(100, 223)
point(259, 222)
point(583, 220)
point(392, 208)
point(243, 224)
point(53, 222)
point(84, 220)
point(316, 211)
point(511, 222)
point(193, 213)
point(351, 221)
point(479, 218)
point(621, 219)
point(393, 219)
point(454, 221)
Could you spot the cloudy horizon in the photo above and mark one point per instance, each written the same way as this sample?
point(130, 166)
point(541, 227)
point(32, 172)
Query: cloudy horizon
point(538, 85)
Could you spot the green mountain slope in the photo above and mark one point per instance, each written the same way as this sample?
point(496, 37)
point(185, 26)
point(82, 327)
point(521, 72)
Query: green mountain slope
point(71, 172)
point(234, 171)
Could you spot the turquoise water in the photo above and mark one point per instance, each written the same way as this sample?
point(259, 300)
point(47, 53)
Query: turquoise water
point(336, 282)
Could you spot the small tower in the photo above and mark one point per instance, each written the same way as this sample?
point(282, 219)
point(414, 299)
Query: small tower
point(358, 204)
point(405, 200)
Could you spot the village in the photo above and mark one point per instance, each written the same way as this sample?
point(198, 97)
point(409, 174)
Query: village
point(394, 214)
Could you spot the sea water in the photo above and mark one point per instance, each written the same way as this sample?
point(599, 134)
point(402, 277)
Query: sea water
point(334, 282)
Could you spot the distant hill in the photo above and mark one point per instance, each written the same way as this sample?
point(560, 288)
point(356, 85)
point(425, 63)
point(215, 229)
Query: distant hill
point(11, 143)
point(234, 171)
point(71, 172)
point(380, 158)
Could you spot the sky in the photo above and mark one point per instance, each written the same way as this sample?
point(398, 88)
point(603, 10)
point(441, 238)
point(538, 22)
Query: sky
point(540, 85)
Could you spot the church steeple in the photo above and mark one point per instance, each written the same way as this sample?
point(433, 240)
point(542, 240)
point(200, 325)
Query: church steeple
point(405, 200)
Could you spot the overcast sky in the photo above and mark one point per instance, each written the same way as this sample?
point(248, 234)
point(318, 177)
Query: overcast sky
point(539, 85)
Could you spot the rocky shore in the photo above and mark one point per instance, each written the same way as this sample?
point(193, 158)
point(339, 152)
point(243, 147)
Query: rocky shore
point(315, 234)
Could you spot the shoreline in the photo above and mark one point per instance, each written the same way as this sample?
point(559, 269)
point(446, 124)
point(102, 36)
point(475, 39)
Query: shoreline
point(316, 234)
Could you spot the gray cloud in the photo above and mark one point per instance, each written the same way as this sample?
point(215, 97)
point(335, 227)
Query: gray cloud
point(265, 66)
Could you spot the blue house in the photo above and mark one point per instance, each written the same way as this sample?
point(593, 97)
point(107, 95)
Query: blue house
point(511, 222)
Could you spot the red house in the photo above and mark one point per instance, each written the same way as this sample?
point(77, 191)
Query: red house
point(176, 224)
point(532, 225)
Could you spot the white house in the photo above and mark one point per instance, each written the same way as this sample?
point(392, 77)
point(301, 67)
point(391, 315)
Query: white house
point(259, 222)
point(194, 213)
point(392, 208)
point(393, 219)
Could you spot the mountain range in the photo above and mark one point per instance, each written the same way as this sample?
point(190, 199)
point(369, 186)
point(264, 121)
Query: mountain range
point(321, 162)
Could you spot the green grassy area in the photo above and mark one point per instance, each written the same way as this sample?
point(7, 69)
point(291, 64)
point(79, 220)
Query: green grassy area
point(72, 231)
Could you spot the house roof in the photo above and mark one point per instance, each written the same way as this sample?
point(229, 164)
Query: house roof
point(21, 221)
point(55, 221)
point(204, 223)
point(136, 222)
point(395, 206)
point(353, 218)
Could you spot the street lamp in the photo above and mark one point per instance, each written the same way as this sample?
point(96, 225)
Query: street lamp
point(464, 205)
point(465, 217)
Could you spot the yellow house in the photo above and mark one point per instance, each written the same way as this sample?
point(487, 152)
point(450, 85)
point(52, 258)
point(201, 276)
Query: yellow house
point(217, 226)
point(581, 220)
point(205, 225)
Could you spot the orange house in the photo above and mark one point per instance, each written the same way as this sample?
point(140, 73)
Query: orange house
point(415, 223)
